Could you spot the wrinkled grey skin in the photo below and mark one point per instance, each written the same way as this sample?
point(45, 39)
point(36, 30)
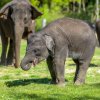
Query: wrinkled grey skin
point(16, 23)
point(62, 38)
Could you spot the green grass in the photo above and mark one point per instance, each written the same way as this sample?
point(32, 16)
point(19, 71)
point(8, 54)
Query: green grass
point(16, 84)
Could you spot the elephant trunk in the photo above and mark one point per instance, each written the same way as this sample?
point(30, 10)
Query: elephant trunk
point(18, 36)
point(17, 50)
point(26, 64)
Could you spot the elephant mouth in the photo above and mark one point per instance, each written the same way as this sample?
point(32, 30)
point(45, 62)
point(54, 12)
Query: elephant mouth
point(27, 64)
point(35, 62)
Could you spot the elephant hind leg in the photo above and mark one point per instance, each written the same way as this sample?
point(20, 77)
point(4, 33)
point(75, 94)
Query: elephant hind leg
point(81, 72)
point(4, 50)
point(77, 68)
point(10, 56)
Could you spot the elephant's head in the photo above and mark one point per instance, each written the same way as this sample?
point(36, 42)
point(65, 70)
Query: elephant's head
point(38, 48)
point(21, 12)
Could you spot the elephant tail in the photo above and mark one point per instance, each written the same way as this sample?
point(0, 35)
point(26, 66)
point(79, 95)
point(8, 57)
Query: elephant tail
point(97, 31)
point(96, 28)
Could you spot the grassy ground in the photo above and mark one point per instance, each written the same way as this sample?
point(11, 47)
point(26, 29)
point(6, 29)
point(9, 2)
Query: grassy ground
point(16, 84)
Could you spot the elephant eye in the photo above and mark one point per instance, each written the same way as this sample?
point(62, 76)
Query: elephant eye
point(37, 52)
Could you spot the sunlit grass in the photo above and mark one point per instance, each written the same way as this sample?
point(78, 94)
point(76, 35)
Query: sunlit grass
point(16, 84)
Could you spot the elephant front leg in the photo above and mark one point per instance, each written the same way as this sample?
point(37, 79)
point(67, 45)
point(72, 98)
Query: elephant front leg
point(52, 70)
point(59, 67)
point(4, 50)
point(10, 56)
point(81, 73)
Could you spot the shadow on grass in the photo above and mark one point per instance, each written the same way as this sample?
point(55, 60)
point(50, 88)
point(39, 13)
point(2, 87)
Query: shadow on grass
point(93, 65)
point(26, 82)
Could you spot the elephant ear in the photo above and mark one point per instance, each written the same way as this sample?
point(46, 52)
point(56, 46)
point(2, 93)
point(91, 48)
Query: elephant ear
point(49, 42)
point(6, 10)
point(35, 12)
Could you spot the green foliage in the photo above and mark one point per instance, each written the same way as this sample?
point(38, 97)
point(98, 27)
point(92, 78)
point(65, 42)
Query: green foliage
point(35, 2)
point(54, 9)
point(3, 2)
point(48, 15)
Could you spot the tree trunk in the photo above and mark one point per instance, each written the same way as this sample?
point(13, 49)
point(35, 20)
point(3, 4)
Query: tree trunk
point(73, 5)
point(97, 9)
point(49, 4)
point(83, 5)
point(79, 7)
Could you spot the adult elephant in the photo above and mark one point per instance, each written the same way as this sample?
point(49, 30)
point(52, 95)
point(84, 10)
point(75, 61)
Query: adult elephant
point(16, 19)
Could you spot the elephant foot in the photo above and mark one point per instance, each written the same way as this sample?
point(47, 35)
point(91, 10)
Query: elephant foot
point(53, 82)
point(58, 84)
point(10, 65)
point(61, 84)
point(79, 82)
point(10, 62)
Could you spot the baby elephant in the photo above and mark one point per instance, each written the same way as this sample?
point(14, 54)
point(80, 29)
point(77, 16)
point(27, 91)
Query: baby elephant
point(62, 38)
